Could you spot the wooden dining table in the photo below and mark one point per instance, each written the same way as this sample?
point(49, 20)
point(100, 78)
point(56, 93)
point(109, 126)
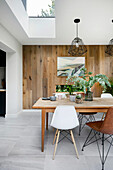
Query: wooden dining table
point(47, 106)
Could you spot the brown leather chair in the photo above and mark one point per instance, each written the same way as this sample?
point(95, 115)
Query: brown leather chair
point(102, 130)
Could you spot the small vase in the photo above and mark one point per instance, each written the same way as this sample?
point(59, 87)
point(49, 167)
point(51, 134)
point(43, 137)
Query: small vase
point(72, 98)
point(79, 101)
point(89, 96)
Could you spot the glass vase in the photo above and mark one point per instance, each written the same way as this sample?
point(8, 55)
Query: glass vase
point(89, 96)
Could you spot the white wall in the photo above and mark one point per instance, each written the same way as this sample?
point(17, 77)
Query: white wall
point(14, 18)
point(13, 71)
point(19, 11)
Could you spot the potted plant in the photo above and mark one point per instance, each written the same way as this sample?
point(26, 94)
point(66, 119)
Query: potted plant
point(79, 99)
point(71, 89)
point(86, 82)
point(110, 89)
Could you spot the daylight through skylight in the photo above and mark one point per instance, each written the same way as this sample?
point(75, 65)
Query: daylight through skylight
point(41, 8)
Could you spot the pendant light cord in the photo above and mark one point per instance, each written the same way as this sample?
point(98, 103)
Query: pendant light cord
point(77, 29)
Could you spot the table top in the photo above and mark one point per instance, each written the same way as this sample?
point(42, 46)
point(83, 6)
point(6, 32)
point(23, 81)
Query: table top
point(96, 103)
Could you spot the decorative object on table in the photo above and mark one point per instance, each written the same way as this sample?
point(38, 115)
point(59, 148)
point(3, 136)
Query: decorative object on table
point(109, 47)
point(77, 47)
point(68, 66)
point(53, 98)
point(86, 81)
point(79, 99)
point(89, 96)
point(71, 90)
point(72, 97)
point(45, 98)
point(60, 95)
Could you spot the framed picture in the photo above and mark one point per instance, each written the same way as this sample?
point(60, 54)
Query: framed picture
point(68, 66)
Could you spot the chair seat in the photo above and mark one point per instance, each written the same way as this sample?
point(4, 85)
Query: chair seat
point(95, 125)
point(87, 113)
point(98, 127)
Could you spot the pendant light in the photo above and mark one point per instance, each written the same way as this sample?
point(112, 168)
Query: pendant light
point(109, 47)
point(77, 47)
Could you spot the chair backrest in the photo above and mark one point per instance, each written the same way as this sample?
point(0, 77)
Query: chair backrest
point(65, 117)
point(106, 95)
point(107, 125)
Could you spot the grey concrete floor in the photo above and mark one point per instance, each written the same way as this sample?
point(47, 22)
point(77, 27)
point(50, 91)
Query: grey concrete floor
point(20, 147)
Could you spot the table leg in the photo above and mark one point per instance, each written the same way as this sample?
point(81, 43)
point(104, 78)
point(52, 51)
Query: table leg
point(43, 128)
point(47, 121)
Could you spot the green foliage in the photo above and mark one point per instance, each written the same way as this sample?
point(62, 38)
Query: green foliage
point(50, 12)
point(110, 89)
point(78, 96)
point(67, 88)
point(61, 88)
point(70, 89)
point(86, 81)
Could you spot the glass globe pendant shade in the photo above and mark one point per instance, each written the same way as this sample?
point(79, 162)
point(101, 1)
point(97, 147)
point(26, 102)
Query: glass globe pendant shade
point(77, 47)
point(109, 48)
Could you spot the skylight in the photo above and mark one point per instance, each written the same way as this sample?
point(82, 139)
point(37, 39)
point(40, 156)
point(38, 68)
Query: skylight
point(41, 8)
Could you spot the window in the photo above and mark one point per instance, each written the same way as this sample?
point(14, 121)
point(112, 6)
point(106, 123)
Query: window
point(41, 8)
point(24, 3)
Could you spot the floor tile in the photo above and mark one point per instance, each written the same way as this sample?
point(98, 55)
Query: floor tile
point(6, 147)
point(31, 131)
point(65, 147)
point(65, 162)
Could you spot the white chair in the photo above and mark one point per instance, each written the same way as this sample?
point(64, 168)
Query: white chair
point(105, 95)
point(64, 118)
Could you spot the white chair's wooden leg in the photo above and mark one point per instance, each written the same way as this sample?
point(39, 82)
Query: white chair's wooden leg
point(55, 136)
point(103, 116)
point(74, 143)
point(56, 144)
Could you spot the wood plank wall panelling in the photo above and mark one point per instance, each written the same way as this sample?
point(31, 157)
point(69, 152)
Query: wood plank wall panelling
point(40, 69)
